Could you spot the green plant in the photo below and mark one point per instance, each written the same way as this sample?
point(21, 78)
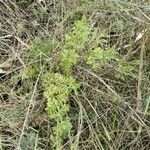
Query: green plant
point(74, 43)
point(100, 57)
point(57, 90)
point(40, 49)
point(38, 53)
point(126, 68)
point(10, 116)
point(30, 141)
point(98, 37)
point(29, 72)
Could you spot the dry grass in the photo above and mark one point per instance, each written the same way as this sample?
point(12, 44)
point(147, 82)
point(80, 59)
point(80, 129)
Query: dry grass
point(108, 113)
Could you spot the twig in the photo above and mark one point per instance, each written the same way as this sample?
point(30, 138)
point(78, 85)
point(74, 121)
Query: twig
point(139, 88)
point(102, 81)
point(139, 93)
point(28, 112)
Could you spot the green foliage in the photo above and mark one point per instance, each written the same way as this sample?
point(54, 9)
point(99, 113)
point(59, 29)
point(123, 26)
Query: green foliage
point(126, 68)
point(60, 80)
point(40, 49)
point(30, 141)
point(68, 60)
point(9, 117)
point(119, 25)
point(58, 87)
point(98, 37)
point(38, 53)
point(60, 133)
point(56, 102)
point(24, 82)
point(42, 14)
point(99, 57)
point(62, 128)
point(57, 90)
point(22, 3)
point(29, 72)
point(74, 43)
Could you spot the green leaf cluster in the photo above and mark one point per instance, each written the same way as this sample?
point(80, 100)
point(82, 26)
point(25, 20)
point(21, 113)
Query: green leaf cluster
point(74, 43)
point(40, 49)
point(126, 68)
point(57, 91)
point(100, 57)
point(29, 72)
